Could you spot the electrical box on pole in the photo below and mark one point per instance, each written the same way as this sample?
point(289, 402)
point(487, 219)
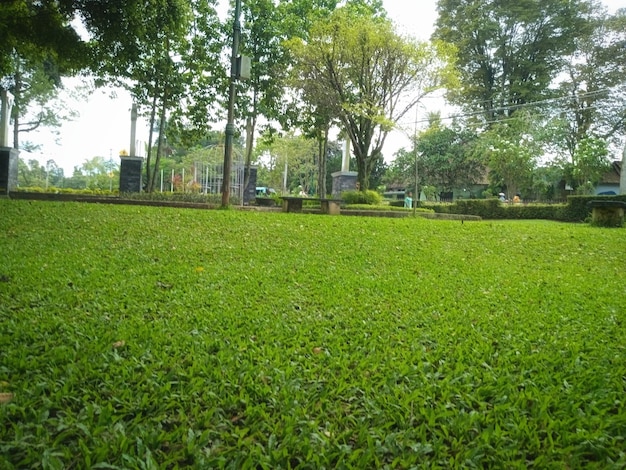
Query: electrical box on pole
point(244, 66)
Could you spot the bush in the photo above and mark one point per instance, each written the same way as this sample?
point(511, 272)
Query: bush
point(199, 198)
point(485, 208)
point(390, 207)
point(437, 207)
point(361, 197)
point(577, 209)
point(533, 211)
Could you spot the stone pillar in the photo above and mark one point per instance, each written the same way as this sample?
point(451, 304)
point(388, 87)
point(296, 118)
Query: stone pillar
point(8, 169)
point(343, 181)
point(345, 157)
point(249, 192)
point(622, 178)
point(133, 130)
point(6, 104)
point(131, 173)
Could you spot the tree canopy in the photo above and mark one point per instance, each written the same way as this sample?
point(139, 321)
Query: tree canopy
point(359, 69)
point(509, 53)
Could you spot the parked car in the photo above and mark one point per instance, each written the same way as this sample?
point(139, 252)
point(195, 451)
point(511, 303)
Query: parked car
point(263, 191)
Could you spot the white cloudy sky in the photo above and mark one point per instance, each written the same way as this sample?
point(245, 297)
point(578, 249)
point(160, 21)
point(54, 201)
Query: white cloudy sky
point(103, 127)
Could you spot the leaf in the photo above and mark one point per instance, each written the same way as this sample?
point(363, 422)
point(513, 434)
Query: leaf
point(5, 397)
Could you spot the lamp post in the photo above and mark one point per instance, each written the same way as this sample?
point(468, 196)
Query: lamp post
point(230, 124)
point(416, 176)
point(417, 196)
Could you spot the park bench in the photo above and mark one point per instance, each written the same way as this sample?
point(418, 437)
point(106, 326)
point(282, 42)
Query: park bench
point(607, 213)
point(294, 204)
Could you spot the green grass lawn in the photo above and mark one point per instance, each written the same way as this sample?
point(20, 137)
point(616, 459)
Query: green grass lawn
point(145, 337)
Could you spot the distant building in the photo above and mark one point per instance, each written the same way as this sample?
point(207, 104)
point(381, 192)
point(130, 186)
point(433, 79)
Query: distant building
point(609, 183)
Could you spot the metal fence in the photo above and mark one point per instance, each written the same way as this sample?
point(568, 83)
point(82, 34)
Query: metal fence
point(205, 178)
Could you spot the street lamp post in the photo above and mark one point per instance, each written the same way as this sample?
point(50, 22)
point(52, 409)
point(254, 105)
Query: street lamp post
point(416, 177)
point(230, 125)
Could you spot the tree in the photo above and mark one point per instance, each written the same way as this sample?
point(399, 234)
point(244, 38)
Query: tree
point(263, 41)
point(509, 52)
point(291, 153)
point(35, 87)
point(39, 45)
point(510, 151)
point(168, 56)
point(589, 163)
point(447, 160)
point(594, 87)
point(368, 76)
point(33, 174)
point(39, 30)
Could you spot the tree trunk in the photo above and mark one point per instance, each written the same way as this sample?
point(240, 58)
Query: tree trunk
point(150, 135)
point(157, 160)
point(17, 96)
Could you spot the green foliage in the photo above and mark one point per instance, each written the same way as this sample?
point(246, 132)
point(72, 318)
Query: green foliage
point(368, 197)
point(447, 160)
point(534, 211)
point(595, 76)
point(298, 154)
point(492, 35)
point(383, 76)
point(485, 208)
point(510, 151)
point(140, 337)
point(66, 191)
point(39, 31)
point(392, 206)
point(576, 209)
point(192, 197)
point(589, 163)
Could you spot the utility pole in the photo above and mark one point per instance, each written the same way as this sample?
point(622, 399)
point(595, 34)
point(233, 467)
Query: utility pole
point(416, 194)
point(230, 125)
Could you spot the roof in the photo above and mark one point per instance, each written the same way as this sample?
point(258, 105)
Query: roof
point(613, 175)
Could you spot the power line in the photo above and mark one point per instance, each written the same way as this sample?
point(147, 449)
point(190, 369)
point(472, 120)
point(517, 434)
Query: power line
point(520, 106)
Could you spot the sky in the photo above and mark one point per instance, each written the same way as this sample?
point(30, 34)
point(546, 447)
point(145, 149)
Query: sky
point(103, 125)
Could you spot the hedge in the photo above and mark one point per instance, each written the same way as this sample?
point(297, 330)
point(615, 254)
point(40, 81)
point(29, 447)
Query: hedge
point(575, 210)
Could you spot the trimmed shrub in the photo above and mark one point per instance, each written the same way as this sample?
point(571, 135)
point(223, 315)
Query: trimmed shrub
point(437, 207)
point(533, 211)
point(361, 197)
point(389, 207)
point(577, 209)
point(485, 208)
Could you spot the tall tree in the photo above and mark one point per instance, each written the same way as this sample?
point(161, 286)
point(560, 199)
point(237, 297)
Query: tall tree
point(40, 30)
point(35, 86)
point(511, 152)
point(594, 86)
point(447, 160)
point(293, 154)
point(509, 52)
point(162, 62)
point(369, 76)
point(39, 45)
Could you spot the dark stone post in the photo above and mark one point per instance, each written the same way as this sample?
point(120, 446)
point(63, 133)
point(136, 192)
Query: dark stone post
point(8, 169)
point(249, 192)
point(131, 174)
point(343, 181)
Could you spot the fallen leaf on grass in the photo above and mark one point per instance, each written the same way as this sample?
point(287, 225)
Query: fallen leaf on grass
point(317, 350)
point(6, 397)
point(119, 344)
